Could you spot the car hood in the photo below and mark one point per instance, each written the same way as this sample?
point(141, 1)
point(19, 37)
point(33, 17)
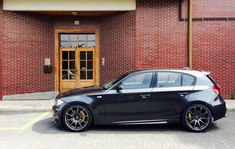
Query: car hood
point(81, 91)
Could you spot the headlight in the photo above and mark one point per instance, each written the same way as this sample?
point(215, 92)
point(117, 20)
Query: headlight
point(58, 102)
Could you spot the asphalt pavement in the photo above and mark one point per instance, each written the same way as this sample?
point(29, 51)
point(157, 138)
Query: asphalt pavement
point(36, 130)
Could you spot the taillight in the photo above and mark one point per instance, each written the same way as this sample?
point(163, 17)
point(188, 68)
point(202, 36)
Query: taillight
point(216, 89)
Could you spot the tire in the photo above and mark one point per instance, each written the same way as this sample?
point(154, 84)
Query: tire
point(197, 118)
point(76, 118)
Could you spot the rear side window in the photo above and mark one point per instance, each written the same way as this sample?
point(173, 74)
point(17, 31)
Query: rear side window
point(173, 79)
point(168, 79)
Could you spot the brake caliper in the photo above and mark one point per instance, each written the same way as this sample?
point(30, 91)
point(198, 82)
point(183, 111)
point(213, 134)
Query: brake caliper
point(83, 116)
point(189, 116)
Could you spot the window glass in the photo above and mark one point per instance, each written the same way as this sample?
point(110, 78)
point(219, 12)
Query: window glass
point(73, 37)
point(82, 37)
point(168, 79)
point(187, 80)
point(64, 37)
point(91, 37)
point(137, 81)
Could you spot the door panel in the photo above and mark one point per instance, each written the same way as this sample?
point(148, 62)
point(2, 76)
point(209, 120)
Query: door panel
point(127, 105)
point(132, 102)
point(167, 103)
point(77, 62)
point(170, 93)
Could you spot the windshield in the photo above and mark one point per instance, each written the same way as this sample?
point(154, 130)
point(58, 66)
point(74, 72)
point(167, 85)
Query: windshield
point(111, 83)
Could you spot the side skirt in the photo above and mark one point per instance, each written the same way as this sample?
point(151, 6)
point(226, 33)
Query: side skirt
point(140, 122)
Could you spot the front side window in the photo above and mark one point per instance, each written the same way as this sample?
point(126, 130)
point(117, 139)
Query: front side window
point(137, 81)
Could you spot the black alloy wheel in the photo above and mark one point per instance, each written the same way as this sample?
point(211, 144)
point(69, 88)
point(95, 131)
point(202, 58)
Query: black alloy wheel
point(197, 118)
point(77, 118)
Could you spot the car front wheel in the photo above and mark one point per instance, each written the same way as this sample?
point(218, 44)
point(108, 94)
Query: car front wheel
point(76, 118)
point(197, 118)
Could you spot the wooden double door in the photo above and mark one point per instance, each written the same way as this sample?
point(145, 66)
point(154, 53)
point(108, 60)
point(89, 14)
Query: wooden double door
point(78, 60)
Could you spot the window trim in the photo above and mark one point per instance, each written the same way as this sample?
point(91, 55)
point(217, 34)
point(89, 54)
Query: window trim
point(120, 81)
point(181, 84)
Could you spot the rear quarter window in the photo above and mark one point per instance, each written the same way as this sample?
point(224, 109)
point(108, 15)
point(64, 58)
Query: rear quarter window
point(187, 80)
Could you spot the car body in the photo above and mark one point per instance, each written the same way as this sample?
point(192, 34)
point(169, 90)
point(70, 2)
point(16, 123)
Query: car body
point(155, 96)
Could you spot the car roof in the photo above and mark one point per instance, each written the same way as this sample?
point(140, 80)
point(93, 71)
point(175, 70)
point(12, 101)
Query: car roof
point(187, 71)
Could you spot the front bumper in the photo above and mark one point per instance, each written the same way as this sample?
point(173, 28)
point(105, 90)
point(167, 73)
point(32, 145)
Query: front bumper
point(219, 108)
point(57, 113)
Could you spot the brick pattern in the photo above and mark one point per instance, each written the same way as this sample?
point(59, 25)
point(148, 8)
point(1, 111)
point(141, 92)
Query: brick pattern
point(150, 37)
point(214, 51)
point(117, 44)
point(1, 47)
point(161, 40)
point(28, 39)
point(210, 8)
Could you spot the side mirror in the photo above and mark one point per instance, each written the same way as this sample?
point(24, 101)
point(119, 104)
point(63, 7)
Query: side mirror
point(119, 87)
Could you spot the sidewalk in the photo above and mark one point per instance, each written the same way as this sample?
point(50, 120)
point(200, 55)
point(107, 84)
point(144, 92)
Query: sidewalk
point(26, 106)
point(45, 105)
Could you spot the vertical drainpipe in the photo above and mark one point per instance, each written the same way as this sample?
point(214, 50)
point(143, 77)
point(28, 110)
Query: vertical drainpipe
point(190, 34)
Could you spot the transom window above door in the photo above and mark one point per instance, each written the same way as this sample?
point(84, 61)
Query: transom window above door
point(81, 40)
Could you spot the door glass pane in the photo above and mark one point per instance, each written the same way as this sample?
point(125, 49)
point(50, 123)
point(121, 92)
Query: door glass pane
point(64, 44)
point(64, 37)
point(83, 55)
point(83, 65)
point(89, 55)
point(83, 75)
point(82, 37)
point(168, 79)
point(65, 65)
point(65, 55)
point(91, 37)
point(138, 81)
point(73, 37)
point(72, 55)
point(72, 74)
point(73, 44)
point(82, 45)
point(91, 44)
point(64, 75)
point(72, 65)
point(89, 64)
point(89, 74)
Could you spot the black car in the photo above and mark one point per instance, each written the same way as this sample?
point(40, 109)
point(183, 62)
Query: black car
point(189, 97)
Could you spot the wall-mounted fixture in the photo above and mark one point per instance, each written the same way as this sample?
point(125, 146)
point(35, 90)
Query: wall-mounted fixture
point(47, 65)
point(76, 22)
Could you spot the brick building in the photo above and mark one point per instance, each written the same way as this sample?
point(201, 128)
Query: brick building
point(89, 42)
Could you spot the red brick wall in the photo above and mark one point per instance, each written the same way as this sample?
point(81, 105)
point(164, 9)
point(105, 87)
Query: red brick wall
point(150, 37)
point(161, 40)
point(117, 44)
point(28, 39)
point(1, 46)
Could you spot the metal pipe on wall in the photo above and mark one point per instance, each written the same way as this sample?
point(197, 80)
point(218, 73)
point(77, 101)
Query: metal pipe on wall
point(190, 34)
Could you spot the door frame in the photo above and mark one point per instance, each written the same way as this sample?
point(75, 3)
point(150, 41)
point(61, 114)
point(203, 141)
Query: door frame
point(57, 54)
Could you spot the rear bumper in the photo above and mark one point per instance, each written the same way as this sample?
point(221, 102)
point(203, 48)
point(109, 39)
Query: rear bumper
point(219, 108)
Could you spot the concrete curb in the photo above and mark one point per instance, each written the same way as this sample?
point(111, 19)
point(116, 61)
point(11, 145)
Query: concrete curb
point(26, 106)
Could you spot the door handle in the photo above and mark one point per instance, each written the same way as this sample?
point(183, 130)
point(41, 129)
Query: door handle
point(144, 96)
point(184, 93)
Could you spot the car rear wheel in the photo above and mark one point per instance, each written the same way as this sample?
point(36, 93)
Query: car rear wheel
point(77, 118)
point(197, 118)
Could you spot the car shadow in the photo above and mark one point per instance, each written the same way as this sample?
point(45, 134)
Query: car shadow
point(47, 126)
